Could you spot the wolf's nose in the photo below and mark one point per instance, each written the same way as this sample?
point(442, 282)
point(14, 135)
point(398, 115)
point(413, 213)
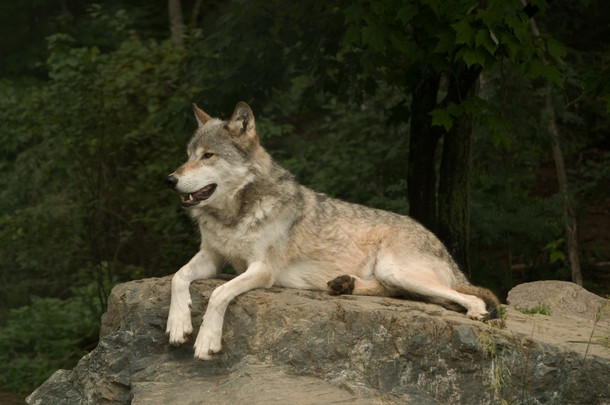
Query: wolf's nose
point(171, 181)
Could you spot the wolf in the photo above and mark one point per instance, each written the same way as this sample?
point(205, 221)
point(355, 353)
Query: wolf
point(253, 215)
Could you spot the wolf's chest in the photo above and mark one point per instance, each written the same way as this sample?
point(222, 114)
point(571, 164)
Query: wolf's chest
point(239, 243)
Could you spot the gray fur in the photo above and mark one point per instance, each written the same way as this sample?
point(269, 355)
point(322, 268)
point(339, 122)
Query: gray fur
point(252, 214)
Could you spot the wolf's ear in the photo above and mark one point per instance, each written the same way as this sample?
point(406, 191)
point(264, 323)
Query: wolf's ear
point(242, 120)
point(201, 116)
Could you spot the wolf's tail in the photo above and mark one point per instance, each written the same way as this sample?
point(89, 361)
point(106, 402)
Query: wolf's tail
point(489, 298)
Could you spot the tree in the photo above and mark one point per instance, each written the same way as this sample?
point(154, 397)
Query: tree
point(176, 23)
point(570, 221)
point(438, 50)
point(455, 169)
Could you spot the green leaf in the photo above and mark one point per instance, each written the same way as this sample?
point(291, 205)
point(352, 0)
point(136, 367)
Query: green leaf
point(556, 255)
point(442, 118)
point(374, 37)
point(352, 36)
point(535, 69)
point(472, 56)
point(403, 44)
point(484, 38)
point(446, 42)
point(406, 13)
point(555, 48)
point(513, 48)
point(519, 28)
point(463, 33)
point(472, 105)
point(500, 139)
point(488, 16)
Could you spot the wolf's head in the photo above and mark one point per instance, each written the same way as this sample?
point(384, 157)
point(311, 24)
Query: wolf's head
point(221, 158)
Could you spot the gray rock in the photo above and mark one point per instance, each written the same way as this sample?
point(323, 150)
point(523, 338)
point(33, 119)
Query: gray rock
point(564, 299)
point(283, 346)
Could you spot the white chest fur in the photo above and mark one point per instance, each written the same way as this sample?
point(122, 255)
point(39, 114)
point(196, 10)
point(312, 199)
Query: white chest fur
point(249, 238)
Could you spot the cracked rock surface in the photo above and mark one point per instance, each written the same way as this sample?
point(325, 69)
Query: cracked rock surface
point(284, 346)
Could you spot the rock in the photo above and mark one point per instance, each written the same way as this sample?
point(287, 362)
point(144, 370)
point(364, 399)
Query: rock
point(563, 298)
point(283, 346)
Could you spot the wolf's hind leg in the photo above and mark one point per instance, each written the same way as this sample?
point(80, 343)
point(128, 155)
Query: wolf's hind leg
point(179, 325)
point(421, 279)
point(491, 301)
point(358, 286)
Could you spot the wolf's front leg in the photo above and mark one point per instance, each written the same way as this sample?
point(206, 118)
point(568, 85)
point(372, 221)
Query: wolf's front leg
point(258, 275)
point(179, 326)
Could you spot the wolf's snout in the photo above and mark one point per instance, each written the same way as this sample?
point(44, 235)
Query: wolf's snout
point(171, 181)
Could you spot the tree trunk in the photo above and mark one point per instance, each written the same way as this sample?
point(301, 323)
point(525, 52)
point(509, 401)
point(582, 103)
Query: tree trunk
point(450, 218)
point(570, 223)
point(456, 165)
point(176, 23)
point(196, 11)
point(454, 191)
point(421, 176)
point(569, 216)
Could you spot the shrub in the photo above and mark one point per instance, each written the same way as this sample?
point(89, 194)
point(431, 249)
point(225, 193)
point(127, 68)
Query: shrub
point(44, 336)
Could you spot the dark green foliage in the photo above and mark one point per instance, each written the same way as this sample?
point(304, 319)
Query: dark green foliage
point(353, 154)
point(81, 152)
point(46, 335)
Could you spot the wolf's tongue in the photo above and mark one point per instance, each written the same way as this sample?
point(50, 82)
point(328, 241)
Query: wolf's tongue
point(201, 192)
point(192, 199)
point(204, 193)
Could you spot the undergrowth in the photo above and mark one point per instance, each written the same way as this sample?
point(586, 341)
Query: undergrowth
point(47, 335)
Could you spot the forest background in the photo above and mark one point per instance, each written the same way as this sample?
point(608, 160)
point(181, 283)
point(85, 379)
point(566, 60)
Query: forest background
point(486, 126)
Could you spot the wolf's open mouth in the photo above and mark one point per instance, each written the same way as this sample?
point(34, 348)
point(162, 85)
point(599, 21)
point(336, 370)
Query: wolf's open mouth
point(192, 199)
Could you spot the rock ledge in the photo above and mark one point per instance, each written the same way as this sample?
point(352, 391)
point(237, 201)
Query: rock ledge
point(286, 346)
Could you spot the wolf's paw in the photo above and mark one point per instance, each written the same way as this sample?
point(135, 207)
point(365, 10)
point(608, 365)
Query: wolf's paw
point(478, 315)
point(341, 285)
point(207, 344)
point(179, 326)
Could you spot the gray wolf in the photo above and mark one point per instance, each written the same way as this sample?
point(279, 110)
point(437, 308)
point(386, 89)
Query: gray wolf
point(253, 215)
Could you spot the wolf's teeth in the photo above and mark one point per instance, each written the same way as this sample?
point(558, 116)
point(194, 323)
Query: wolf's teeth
point(190, 197)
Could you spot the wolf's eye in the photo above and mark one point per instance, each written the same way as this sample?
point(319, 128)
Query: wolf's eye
point(207, 155)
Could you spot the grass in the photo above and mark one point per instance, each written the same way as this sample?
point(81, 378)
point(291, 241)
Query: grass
point(541, 308)
point(506, 387)
point(500, 321)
